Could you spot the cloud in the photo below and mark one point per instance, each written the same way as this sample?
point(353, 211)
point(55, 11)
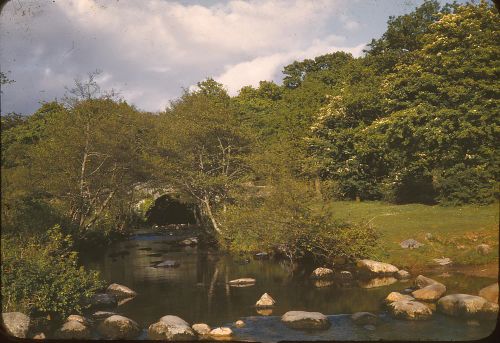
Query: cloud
point(150, 49)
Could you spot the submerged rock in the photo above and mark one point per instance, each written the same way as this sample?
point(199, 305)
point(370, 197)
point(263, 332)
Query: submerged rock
point(168, 264)
point(119, 327)
point(242, 282)
point(305, 320)
point(490, 293)
point(322, 273)
point(239, 323)
point(430, 293)
point(120, 291)
point(103, 301)
point(171, 328)
point(189, 241)
point(466, 305)
point(365, 318)
point(16, 324)
point(264, 311)
point(73, 329)
point(411, 310)
point(376, 268)
point(402, 274)
point(422, 281)
point(201, 328)
point(396, 296)
point(323, 283)
point(265, 301)
point(377, 282)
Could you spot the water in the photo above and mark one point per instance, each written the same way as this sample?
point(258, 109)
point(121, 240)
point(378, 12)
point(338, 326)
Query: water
point(197, 291)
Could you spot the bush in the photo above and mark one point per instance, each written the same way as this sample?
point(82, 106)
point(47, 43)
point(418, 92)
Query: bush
point(40, 275)
point(286, 220)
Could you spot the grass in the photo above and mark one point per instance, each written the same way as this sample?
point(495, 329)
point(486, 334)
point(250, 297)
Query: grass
point(456, 231)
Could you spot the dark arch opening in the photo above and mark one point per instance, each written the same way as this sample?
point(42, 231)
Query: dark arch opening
point(168, 209)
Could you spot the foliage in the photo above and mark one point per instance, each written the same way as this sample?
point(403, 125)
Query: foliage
point(40, 275)
point(284, 220)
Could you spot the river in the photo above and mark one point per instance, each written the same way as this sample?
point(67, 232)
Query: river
point(197, 291)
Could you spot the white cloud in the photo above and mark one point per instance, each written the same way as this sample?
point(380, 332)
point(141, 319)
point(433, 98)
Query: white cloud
point(150, 49)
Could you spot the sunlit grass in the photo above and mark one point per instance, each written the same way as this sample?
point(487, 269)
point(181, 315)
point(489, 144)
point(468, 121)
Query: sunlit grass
point(456, 231)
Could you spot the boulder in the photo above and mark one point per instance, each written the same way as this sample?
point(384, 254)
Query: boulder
point(377, 282)
point(80, 319)
point(402, 274)
point(221, 332)
point(171, 328)
point(73, 329)
point(396, 296)
point(17, 324)
point(410, 244)
point(120, 291)
point(376, 268)
point(465, 305)
point(430, 293)
point(261, 256)
point(265, 301)
point(422, 281)
point(101, 315)
point(305, 320)
point(239, 323)
point(411, 310)
point(322, 273)
point(201, 328)
point(490, 293)
point(483, 249)
point(242, 282)
point(103, 301)
point(119, 327)
point(364, 318)
point(168, 264)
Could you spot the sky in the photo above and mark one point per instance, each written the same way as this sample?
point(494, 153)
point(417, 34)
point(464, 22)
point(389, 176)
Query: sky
point(149, 50)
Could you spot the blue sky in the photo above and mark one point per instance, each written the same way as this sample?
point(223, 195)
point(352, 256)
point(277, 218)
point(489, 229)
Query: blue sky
point(150, 49)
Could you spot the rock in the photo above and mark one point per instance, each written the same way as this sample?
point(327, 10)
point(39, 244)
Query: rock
point(430, 293)
point(377, 282)
point(101, 315)
point(411, 310)
point(201, 328)
point(322, 273)
point(465, 305)
point(189, 241)
point(103, 301)
point(422, 281)
point(261, 256)
point(305, 320)
point(473, 323)
point(364, 318)
point(376, 268)
point(431, 306)
point(264, 311)
point(119, 327)
point(17, 324)
point(168, 264)
point(239, 324)
point(80, 319)
point(410, 244)
point(442, 261)
point(396, 296)
point(73, 329)
point(490, 293)
point(120, 291)
point(265, 301)
point(428, 236)
point(124, 301)
point(171, 328)
point(242, 281)
point(407, 290)
point(402, 274)
point(39, 335)
point(221, 332)
point(369, 327)
point(483, 249)
point(345, 275)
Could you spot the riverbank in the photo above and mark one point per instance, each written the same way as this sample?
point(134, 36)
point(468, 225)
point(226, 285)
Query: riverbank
point(445, 232)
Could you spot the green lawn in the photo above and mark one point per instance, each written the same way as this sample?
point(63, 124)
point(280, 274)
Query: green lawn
point(456, 231)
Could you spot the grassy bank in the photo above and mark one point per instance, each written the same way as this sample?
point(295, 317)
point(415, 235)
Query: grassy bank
point(456, 231)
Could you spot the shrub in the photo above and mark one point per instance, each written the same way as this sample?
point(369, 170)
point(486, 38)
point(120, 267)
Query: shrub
point(40, 275)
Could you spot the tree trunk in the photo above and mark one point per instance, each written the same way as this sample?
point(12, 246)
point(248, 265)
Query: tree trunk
point(210, 215)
